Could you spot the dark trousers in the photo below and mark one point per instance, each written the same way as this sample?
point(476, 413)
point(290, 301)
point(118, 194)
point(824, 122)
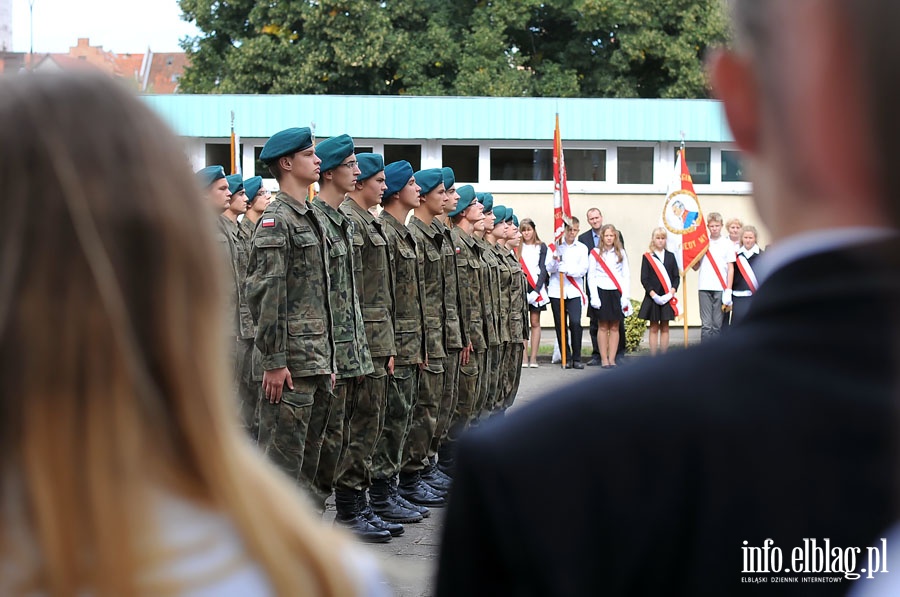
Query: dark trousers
point(573, 315)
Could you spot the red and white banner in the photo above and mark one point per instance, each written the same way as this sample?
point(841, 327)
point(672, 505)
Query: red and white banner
point(682, 217)
point(561, 210)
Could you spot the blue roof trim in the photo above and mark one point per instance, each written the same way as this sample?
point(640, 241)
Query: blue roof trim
point(449, 118)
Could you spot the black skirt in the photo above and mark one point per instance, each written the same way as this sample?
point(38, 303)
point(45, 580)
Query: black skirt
point(653, 312)
point(533, 309)
point(610, 306)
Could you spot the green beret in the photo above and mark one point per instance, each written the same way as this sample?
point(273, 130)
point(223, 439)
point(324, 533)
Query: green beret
point(429, 179)
point(396, 176)
point(333, 151)
point(449, 177)
point(466, 198)
point(510, 216)
point(499, 212)
point(209, 175)
point(252, 186)
point(487, 200)
point(286, 142)
point(515, 220)
point(370, 164)
point(235, 183)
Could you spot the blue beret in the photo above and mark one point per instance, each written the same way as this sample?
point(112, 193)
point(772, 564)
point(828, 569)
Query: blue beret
point(209, 175)
point(510, 216)
point(286, 142)
point(487, 200)
point(429, 179)
point(515, 220)
point(396, 175)
point(499, 212)
point(466, 198)
point(252, 186)
point(235, 183)
point(333, 151)
point(370, 164)
point(449, 177)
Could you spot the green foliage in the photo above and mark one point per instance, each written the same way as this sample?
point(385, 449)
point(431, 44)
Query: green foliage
point(554, 48)
point(634, 328)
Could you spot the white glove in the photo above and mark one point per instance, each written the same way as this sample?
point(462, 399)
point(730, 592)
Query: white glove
point(533, 297)
point(726, 297)
point(563, 268)
point(660, 299)
point(626, 305)
point(595, 301)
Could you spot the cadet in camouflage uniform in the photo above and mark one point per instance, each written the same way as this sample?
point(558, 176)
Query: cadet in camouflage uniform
point(431, 381)
point(287, 290)
point(518, 315)
point(338, 173)
point(401, 196)
point(258, 199)
point(455, 339)
point(495, 237)
point(490, 297)
point(465, 218)
point(375, 288)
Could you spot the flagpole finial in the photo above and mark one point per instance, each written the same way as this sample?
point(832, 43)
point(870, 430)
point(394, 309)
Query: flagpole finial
point(682, 139)
point(312, 130)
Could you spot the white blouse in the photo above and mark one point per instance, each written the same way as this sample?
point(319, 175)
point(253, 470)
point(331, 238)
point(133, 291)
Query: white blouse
point(598, 278)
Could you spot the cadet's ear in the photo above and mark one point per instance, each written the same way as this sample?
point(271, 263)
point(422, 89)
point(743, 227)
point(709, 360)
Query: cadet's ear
point(285, 163)
point(734, 82)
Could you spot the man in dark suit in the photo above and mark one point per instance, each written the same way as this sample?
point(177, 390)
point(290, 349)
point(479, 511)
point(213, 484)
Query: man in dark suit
point(591, 240)
point(682, 475)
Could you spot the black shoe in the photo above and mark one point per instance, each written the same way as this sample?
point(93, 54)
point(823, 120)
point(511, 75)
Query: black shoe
point(349, 517)
point(385, 506)
point(569, 365)
point(413, 489)
point(422, 510)
point(594, 362)
point(366, 511)
point(434, 478)
point(578, 365)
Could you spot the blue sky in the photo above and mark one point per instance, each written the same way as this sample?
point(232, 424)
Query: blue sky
point(120, 26)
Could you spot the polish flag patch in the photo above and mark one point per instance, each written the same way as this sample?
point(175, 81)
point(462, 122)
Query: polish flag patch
point(268, 223)
point(457, 250)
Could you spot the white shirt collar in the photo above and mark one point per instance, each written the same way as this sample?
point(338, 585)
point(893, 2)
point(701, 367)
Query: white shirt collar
point(805, 244)
point(754, 250)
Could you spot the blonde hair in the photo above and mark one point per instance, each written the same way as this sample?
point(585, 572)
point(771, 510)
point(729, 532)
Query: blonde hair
point(657, 231)
point(714, 216)
point(733, 221)
point(749, 228)
point(115, 384)
point(617, 244)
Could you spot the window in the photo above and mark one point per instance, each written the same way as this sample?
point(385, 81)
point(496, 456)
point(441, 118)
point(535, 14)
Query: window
point(585, 164)
point(219, 154)
point(410, 153)
point(463, 159)
point(259, 169)
point(698, 163)
point(363, 149)
point(635, 165)
point(521, 164)
point(732, 168)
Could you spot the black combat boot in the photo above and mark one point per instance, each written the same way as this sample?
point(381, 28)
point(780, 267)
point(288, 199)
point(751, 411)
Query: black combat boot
point(417, 491)
point(348, 516)
point(395, 495)
point(433, 477)
point(446, 459)
point(385, 506)
point(366, 511)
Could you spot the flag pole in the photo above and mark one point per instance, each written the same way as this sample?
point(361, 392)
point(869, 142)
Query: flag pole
point(562, 320)
point(233, 169)
point(684, 303)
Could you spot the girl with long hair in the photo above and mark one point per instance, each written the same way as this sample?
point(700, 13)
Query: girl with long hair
point(608, 275)
point(533, 253)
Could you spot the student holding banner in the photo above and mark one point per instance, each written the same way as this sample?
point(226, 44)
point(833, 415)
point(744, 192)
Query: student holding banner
point(659, 277)
point(745, 282)
point(570, 259)
point(715, 278)
point(532, 257)
point(608, 274)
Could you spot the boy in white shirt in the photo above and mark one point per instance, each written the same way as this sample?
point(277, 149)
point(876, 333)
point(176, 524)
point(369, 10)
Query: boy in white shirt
point(714, 281)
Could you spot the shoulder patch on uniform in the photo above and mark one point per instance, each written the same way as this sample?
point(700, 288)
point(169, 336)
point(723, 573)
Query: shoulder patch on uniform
point(457, 250)
point(268, 223)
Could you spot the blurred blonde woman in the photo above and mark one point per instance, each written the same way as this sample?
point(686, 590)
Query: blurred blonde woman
point(124, 468)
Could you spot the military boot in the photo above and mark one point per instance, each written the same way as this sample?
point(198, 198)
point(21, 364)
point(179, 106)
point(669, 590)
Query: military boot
point(395, 494)
point(395, 529)
point(389, 509)
point(435, 479)
point(417, 491)
point(446, 459)
point(349, 516)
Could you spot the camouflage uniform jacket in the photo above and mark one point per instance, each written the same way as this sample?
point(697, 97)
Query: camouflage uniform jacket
point(287, 290)
point(351, 350)
point(374, 283)
point(519, 319)
point(455, 337)
point(490, 297)
point(409, 316)
point(469, 266)
point(242, 255)
point(226, 235)
point(430, 244)
point(505, 291)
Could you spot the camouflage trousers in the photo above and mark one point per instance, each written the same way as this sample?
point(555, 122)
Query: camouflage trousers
point(470, 382)
point(490, 383)
point(334, 444)
point(424, 416)
point(284, 428)
point(510, 376)
point(401, 396)
point(248, 390)
point(449, 396)
point(364, 422)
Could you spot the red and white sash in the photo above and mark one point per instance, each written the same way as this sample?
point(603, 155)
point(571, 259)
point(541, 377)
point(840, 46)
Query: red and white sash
point(543, 299)
point(572, 281)
point(715, 267)
point(596, 255)
point(663, 276)
point(748, 273)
